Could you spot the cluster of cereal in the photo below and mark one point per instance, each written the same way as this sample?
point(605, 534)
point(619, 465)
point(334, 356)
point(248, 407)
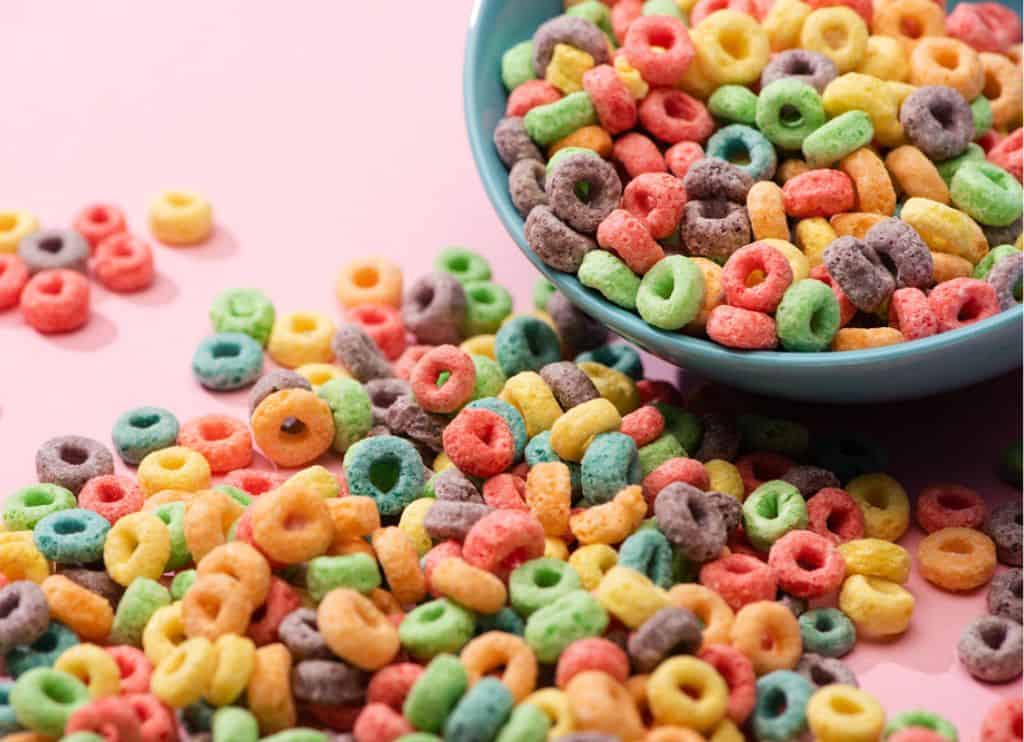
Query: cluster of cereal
point(519, 547)
point(44, 272)
point(892, 216)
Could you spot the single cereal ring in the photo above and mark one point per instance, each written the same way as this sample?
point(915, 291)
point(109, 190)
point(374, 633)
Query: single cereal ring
point(741, 328)
point(909, 21)
point(949, 505)
point(400, 563)
point(54, 301)
point(660, 48)
point(957, 559)
point(832, 513)
point(1003, 87)
point(214, 607)
point(766, 210)
point(497, 649)
point(222, 440)
point(291, 525)
point(740, 579)
point(948, 62)
point(962, 301)
point(838, 33)
point(180, 218)
point(874, 189)
point(123, 262)
point(292, 427)
point(915, 175)
point(807, 565)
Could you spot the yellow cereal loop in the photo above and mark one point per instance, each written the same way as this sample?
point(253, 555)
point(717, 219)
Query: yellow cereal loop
point(300, 338)
point(943, 228)
point(411, 523)
point(697, 81)
point(733, 47)
point(164, 632)
point(885, 59)
point(15, 224)
point(20, 559)
point(798, 261)
point(555, 706)
point(182, 676)
point(874, 557)
point(687, 692)
point(813, 235)
point(884, 503)
point(878, 608)
point(442, 462)
point(180, 218)
point(726, 731)
point(714, 293)
point(837, 32)
point(592, 562)
point(533, 399)
point(725, 478)
point(685, 6)
point(318, 374)
point(854, 223)
point(315, 479)
point(479, 345)
point(901, 90)
point(789, 169)
point(138, 545)
point(174, 468)
point(631, 77)
point(94, 666)
point(630, 596)
point(856, 92)
point(766, 208)
point(555, 548)
point(567, 66)
point(863, 338)
point(235, 658)
point(842, 713)
point(573, 432)
point(946, 267)
point(783, 23)
point(615, 386)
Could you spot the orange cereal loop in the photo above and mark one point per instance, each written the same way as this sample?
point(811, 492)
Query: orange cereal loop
point(346, 546)
point(291, 525)
point(1003, 88)
point(301, 338)
point(871, 181)
point(908, 20)
point(766, 210)
point(709, 607)
point(956, 559)
point(789, 169)
point(637, 687)
point(269, 692)
point(356, 630)
point(292, 427)
point(21, 560)
point(915, 174)
point(946, 267)
point(496, 650)
point(611, 522)
point(862, 338)
point(769, 635)
point(599, 703)
point(385, 602)
point(166, 497)
point(369, 281)
point(401, 565)
point(950, 62)
point(83, 611)
point(354, 516)
point(215, 606)
point(714, 293)
point(469, 586)
point(241, 562)
point(174, 468)
point(854, 223)
point(588, 137)
point(549, 496)
point(222, 440)
point(674, 734)
point(208, 519)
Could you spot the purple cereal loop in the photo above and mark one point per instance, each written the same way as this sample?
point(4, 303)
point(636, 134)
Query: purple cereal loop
point(603, 194)
point(513, 143)
point(434, 309)
point(1004, 595)
point(577, 330)
point(447, 519)
point(354, 350)
point(569, 384)
point(821, 671)
point(24, 614)
point(810, 479)
point(720, 440)
point(328, 682)
point(670, 632)
point(571, 30)
point(52, 249)
point(728, 507)
point(554, 241)
point(990, 649)
point(276, 381)
point(938, 121)
point(1002, 235)
point(712, 179)
point(383, 393)
point(526, 185)
point(298, 631)
point(454, 486)
point(1004, 528)
point(408, 419)
point(900, 243)
point(690, 521)
point(72, 460)
point(714, 229)
point(1004, 277)
point(810, 68)
point(859, 272)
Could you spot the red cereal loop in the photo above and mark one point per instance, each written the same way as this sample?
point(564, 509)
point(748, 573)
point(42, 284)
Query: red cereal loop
point(56, 301)
point(529, 95)
point(111, 495)
point(1007, 154)
point(336, 718)
point(627, 236)
point(506, 492)
point(703, 8)
point(738, 673)
point(911, 314)
point(479, 442)
point(591, 654)
point(673, 116)
point(656, 199)
point(281, 600)
point(13, 277)
point(765, 295)
point(408, 360)
point(112, 718)
point(624, 13)
point(962, 301)
point(390, 685)
point(457, 388)
point(739, 328)
point(949, 506)
point(380, 723)
point(97, 222)
point(807, 565)
point(681, 156)
point(659, 47)
point(435, 556)
point(677, 469)
point(987, 27)
point(123, 263)
point(614, 104)
point(657, 390)
point(255, 482)
point(846, 308)
point(740, 579)
point(637, 155)
point(1003, 721)
point(643, 425)
point(988, 140)
point(156, 721)
point(384, 326)
point(223, 441)
point(762, 466)
point(863, 8)
point(501, 541)
point(822, 192)
point(134, 666)
point(833, 514)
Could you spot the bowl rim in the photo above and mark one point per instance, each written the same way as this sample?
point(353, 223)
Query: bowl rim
point(629, 324)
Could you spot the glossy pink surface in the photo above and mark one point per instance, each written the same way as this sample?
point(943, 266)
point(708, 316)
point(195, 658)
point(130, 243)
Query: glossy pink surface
point(321, 135)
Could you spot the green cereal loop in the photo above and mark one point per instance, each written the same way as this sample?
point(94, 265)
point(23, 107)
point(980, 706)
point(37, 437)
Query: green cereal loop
point(986, 193)
point(487, 306)
point(658, 451)
point(8, 722)
point(808, 316)
point(947, 168)
point(576, 615)
point(543, 290)
point(735, 104)
point(562, 154)
point(435, 693)
point(761, 433)
point(987, 263)
point(29, 505)
point(464, 264)
point(353, 571)
point(834, 140)
point(181, 583)
point(662, 7)
point(649, 553)
point(788, 112)
point(43, 699)
point(685, 426)
point(610, 463)
point(553, 121)
point(540, 582)
point(922, 719)
point(419, 737)
point(526, 344)
point(597, 13)
point(299, 734)
point(506, 620)
point(671, 292)
point(771, 511)
point(43, 652)
point(242, 497)
point(243, 310)
point(489, 378)
point(350, 408)
point(517, 65)
point(607, 274)
point(526, 724)
point(173, 516)
point(981, 112)
point(83, 737)
point(140, 601)
point(436, 627)
point(480, 713)
point(827, 631)
point(235, 724)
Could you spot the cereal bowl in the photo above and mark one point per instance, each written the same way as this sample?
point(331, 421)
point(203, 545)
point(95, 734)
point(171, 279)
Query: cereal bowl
point(907, 370)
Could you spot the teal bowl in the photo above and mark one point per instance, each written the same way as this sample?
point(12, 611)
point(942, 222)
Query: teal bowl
point(915, 369)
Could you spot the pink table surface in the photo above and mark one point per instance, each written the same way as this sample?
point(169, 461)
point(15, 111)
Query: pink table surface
point(322, 132)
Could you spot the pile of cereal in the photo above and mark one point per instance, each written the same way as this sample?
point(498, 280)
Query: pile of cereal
point(519, 547)
point(45, 272)
point(828, 174)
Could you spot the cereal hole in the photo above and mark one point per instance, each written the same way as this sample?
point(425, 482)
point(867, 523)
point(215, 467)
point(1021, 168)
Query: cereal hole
point(302, 324)
point(143, 421)
point(911, 26)
point(820, 676)
point(52, 245)
point(956, 546)
point(953, 501)
point(179, 200)
point(73, 455)
point(99, 215)
point(546, 577)
point(224, 349)
point(68, 526)
point(293, 426)
point(214, 430)
point(37, 499)
point(823, 623)
point(845, 706)
point(993, 634)
point(46, 643)
point(366, 277)
point(384, 473)
point(8, 604)
point(172, 461)
point(775, 702)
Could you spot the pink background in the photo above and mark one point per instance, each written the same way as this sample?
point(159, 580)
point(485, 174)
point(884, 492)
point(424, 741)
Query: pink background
point(321, 132)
